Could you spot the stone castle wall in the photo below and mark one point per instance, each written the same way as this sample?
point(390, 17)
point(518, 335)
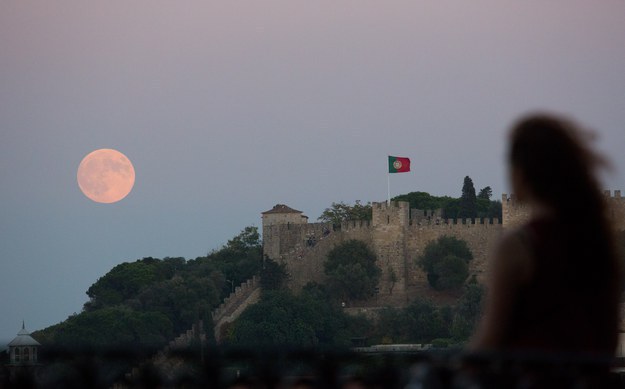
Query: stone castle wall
point(481, 236)
point(398, 236)
point(396, 239)
point(616, 209)
point(243, 296)
point(513, 212)
point(389, 238)
point(304, 247)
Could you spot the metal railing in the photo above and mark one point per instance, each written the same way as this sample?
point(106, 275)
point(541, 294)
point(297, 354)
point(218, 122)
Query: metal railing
point(198, 367)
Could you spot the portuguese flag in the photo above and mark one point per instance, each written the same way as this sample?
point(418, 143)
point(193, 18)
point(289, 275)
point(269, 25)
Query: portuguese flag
point(398, 164)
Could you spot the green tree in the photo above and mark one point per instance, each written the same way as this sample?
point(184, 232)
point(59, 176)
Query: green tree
point(494, 209)
point(425, 201)
point(125, 281)
point(109, 327)
point(341, 212)
point(239, 260)
point(248, 239)
point(273, 275)
point(488, 208)
point(184, 299)
point(485, 193)
point(352, 270)
point(449, 272)
point(445, 262)
point(172, 292)
point(468, 200)
point(391, 326)
point(468, 311)
point(419, 322)
point(425, 322)
point(453, 208)
point(282, 319)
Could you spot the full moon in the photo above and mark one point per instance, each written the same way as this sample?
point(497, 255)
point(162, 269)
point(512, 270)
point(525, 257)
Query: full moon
point(106, 176)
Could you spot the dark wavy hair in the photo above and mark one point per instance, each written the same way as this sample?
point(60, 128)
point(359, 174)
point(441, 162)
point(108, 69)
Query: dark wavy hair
point(559, 169)
point(557, 164)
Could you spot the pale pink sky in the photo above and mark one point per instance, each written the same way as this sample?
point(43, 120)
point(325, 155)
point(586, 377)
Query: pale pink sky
point(227, 108)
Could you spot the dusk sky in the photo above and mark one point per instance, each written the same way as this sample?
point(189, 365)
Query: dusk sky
point(227, 108)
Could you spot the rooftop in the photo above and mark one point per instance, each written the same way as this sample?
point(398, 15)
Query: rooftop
point(23, 338)
point(281, 208)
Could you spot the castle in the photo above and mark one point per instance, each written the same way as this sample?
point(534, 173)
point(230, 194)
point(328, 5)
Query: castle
point(398, 235)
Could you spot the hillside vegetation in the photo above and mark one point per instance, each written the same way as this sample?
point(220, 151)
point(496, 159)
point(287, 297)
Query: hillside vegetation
point(150, 301)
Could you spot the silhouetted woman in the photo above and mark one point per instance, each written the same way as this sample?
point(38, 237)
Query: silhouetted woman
point(554, 284)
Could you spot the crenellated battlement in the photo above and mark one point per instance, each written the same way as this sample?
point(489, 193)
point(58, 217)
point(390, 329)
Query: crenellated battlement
point(383, 205)
point(426, 216)
point(239, 294)
point(617, 194)
point(393, 213)
point(356, 225)
point(450, 224)
point(398, 235)
point(513, 211)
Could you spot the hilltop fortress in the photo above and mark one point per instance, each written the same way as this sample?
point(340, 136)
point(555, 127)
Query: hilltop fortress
point(398, 235)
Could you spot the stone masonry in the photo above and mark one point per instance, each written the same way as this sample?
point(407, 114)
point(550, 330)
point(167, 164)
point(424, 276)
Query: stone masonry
point(398, 235)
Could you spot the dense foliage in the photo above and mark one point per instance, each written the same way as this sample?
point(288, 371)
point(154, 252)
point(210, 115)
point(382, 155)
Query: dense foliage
point(314, 319)
point(420, 322)
point(110, 326)
point(485, 193)
point(126, 280)
point(352, 270)
point(340, 212)
point(467, 206)
point(445, 261)
point(424, 322)
point(468, 311)
point(273, 275)
point(149, 301)
point(425, 201)
point(307, 320)
point(468, 200)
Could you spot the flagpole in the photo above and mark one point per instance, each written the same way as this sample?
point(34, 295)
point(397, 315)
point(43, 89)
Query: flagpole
point(388, 185)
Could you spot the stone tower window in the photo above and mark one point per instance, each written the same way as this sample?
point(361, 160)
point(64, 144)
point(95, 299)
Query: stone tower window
point(18, 354)
point(26, 354)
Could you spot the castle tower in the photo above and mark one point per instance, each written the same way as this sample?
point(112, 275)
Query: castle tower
point(616, 209)
point(279, 216)
point(390, 223)
point(513, 212)
point(23, 349)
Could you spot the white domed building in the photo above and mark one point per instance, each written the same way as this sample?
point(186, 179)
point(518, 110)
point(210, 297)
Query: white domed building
point(23, 349)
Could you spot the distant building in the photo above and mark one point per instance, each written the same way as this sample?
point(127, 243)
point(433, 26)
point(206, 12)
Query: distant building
point(23, 350)
point(398, 235)
point(282, 214)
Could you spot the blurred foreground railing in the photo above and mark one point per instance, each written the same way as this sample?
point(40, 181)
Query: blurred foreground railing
point(290, 368)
